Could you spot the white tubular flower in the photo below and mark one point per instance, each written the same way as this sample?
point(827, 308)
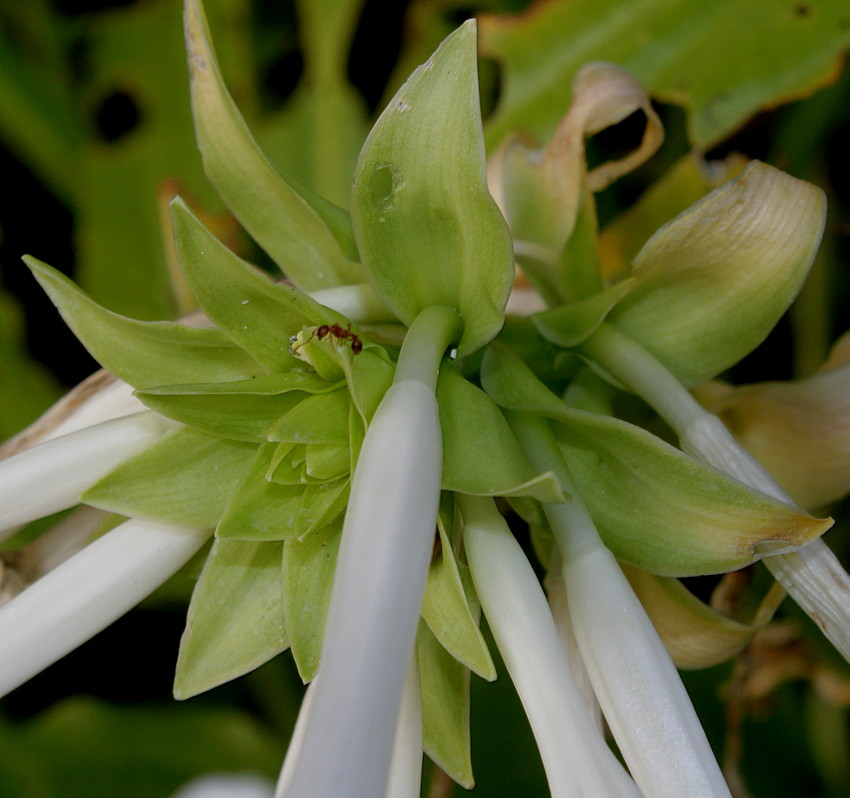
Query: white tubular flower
point(226, 785)
point(640, 691)
point(641, 694)
point(51, 476)
point(575, 756)
point(378, 587)
point(406, 766)
point(87, 593)
point(386, 546)
point(557, 594)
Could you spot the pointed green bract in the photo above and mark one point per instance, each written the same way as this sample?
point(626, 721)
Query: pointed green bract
point(260, 509)
point(321, 503)
point(235, 621)
point(143, 353)
point(308, 572)
point(184, 479)
point(427, 228)
point(481, 456)
point(322, 418)
point(258, 315)
point(571, 324)
point(241, 410)
point(712, 283)
point(445, 707)
point(369, 377)
point(655, 507)
point(295, 232)
point(447, 611)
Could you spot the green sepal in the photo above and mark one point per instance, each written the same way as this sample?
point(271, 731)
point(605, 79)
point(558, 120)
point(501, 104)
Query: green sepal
point(322, 418)
point(308, 574)
point(144, 353)
point(287, 465)
point(326, 461)
point(369, 376)
point(303, 233)
point(261, 510)
point(655, 507)
point(321, 503)
point(481, 456)
point(186, 479)
point(569, 325)
point(241, 410)
point(300, 464)
point(428, 230)
point(452, 613)
point(235, 621)
point(444, 685)
point(257, 314)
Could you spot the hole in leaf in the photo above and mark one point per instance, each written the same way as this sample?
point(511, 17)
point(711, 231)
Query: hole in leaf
point(382, 184)
point(116, 116)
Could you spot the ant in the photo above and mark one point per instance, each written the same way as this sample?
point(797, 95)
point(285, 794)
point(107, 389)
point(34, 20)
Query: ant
point(335, 331)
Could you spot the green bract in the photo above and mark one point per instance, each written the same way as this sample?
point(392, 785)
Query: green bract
point(301, 231)
point(655, 507)
point(427, 229)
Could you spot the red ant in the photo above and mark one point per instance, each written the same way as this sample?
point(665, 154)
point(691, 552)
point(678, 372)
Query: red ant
point(335, 331)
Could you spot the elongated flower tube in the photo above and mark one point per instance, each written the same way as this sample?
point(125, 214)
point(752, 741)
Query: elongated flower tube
point(386, 546)
point(641, 694)
point(51, 476)
point(813, 575)
point(85, 594)
point(575, 756)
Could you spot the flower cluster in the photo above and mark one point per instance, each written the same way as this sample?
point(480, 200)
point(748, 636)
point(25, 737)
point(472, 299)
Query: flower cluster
point(334, 444)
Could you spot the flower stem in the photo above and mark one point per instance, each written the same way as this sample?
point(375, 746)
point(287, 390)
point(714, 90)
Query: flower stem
point(638, 687)
point(575, 756)
point(385, 551)
point(813, 575)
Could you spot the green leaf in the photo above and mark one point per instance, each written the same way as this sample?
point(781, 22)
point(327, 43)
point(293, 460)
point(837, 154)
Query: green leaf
point(290, 224)
point(26, 388)
point(261, 510)
point(87, 748)
point(258, 315)
point(236, 620)
point(145, 354)
point(445, 707)
point(713, 282)
point(121, 185)
point(481, 456)
point(427, 228)
point(761, 54)
point(308, 573)
point(655, 507)
point(241, 410)
point(186, 479)
point(450, 617)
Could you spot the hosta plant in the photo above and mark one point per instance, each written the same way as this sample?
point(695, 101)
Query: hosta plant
point(340, 445)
